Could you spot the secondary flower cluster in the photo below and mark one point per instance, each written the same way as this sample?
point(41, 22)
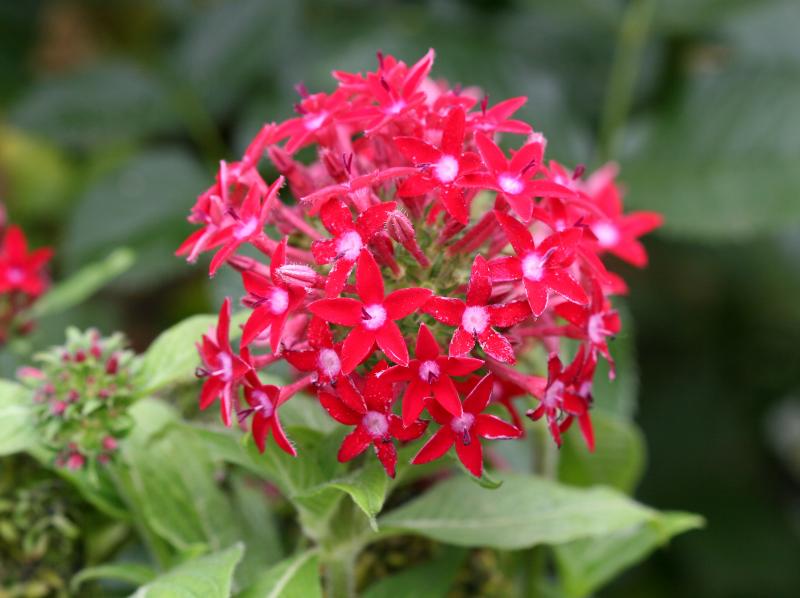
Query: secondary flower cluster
point(23, 279)
point(82, 392)
point(402, 218)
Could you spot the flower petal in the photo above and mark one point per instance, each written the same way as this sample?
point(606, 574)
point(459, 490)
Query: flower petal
point(413, 400)
point(437, 445)
point(355, 443)
point(387, 455)
point(517, 233)
point(357, 346)
point(492, 427)
point(479, 396)
point(479, 289)
point(492, 155)
point(427, 347)
point(537, 296)
point(340, 310)
point(417, 151)
point(404, 302)
point(461, 343)
point(445, 393)
point(369, 281)
point(337, 409)
point(470, 454)
point(562, 283)
point(336, 217)
point(445, 310)
point(496, 345)
point(391, 342)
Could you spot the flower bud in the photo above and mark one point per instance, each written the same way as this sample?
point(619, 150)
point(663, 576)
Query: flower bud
point(300, 275)
point(401, 230)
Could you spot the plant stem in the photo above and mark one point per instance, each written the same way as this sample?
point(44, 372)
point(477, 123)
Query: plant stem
point(631, 39)
point(545, 465)
point(340, 579)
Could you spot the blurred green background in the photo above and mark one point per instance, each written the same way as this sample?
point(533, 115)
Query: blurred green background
point(113, 115)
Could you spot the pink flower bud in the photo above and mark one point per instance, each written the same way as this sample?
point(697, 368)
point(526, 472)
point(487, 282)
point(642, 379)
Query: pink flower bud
point(401, 230)
point(80, 356)
point(300, 275)
point(58, 407)
point(110, 443)
point(112, 365)
point(75, 461)
point(73, 395)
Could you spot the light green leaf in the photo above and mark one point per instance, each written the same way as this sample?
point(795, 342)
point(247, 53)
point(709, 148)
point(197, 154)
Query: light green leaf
point(83, 284)
point(16, 418)
point(618, 460)
point(523, 512)
point(585, 565)
point(210, 576)
point(133, 573)
point(367, 486)
point(429, 580)
point(295, 577)
point(142, 203)
point(171, 481)
point(110, 102)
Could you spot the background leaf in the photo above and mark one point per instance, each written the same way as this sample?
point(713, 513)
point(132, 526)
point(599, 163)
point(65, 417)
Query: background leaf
point(523, 512)
point(295, 577)
point(17, 422)
point(210, 576)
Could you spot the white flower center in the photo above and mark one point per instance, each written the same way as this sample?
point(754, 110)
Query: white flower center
point(606, 233)
point(552, 395)
point(314, 121)
point(375, 317)
point(15, 275)
point(475, 319)
point(349, 245)
point(597, 333)
point(397, 107)
point(510, 184)
point(279, 301)
point(329, 363)
point(375, 424)
point(265, 406)
point(225, 366)
point(245, 229)
point(429, 370)
point(446, 169)
point(532, 266)
point(462, 423)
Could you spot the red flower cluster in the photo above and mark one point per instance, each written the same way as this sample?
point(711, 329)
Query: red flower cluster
point(452, 240)
point(23, 279)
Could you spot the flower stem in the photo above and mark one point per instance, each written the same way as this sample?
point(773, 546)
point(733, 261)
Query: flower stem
point(631, 39)
point(339, 578)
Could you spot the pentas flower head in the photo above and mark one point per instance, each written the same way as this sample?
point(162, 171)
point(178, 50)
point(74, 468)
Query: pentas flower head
point(23, 279)
point(378, 248)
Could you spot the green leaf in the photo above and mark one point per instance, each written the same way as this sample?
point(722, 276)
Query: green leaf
point(618, 460)
point(107, 103)
point(172, 358)
point(210, 576)
point(619, 396)
point(17, 421)
point(171, 481)
point(133, 573)
point(143, 203)
point(295, 577)
point(523, 512)
point(83, 284)
point(585, 565)
point(367, 486)
point(429, 580)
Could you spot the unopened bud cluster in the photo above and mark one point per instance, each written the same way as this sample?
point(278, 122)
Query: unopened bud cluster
point(82, 391)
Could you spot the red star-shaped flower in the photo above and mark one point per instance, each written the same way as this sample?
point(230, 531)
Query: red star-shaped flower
point(20, 270)
point(316, 112)
point(564, 399)
point(264, 400)
point(430, 375)
point(475, 317)
point(542, 269)
point(465, 430)
point(349, 239)
point(222, 368)
point(497, 118)
point(514, 178)
point(246, 223)
point(372, 318)
point(324, 358)
point(442, 166)
point(594, 323)
point(374, 422)
point(273, 300)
